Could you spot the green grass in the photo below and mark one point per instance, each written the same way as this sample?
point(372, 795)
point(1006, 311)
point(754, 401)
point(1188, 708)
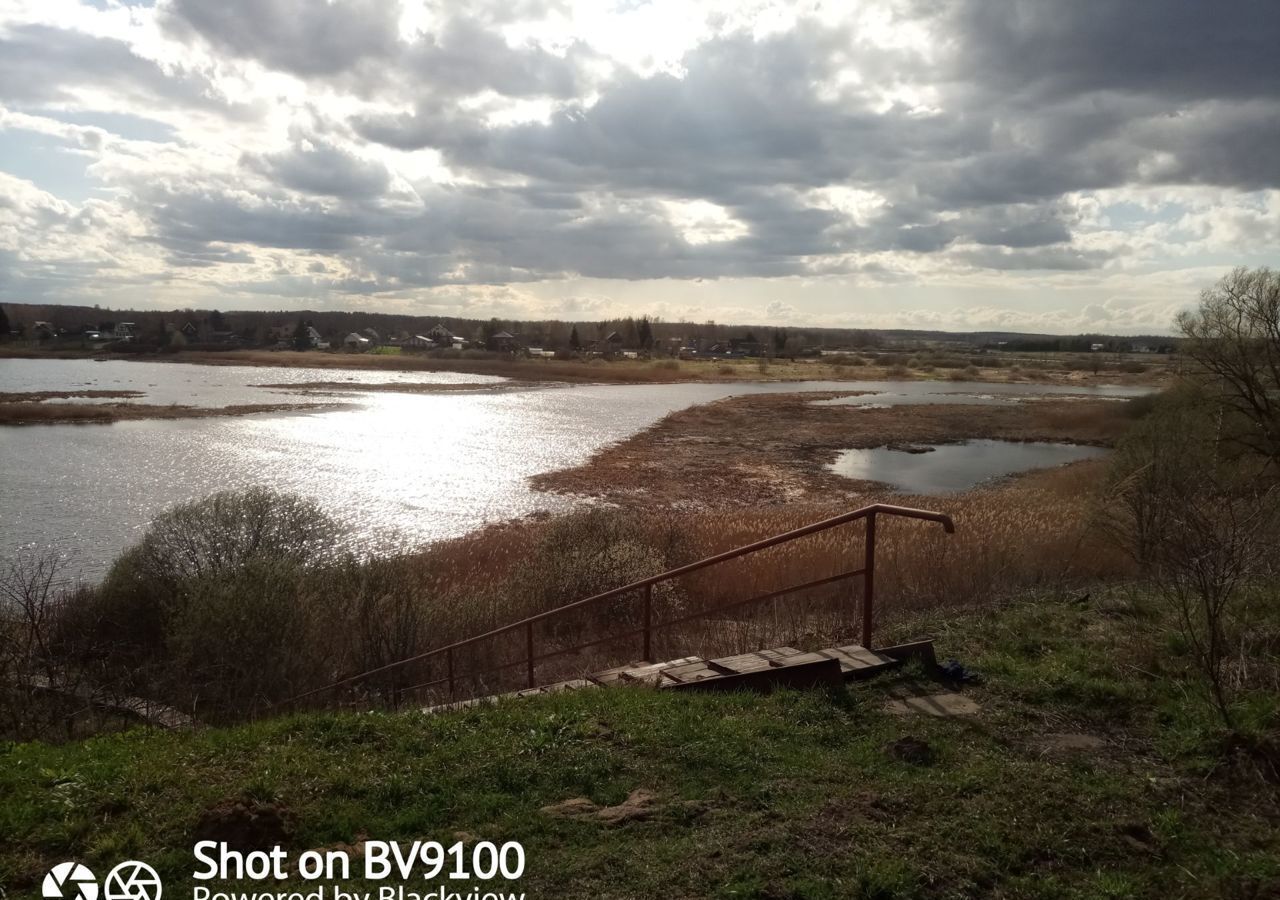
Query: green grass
point(791, 795)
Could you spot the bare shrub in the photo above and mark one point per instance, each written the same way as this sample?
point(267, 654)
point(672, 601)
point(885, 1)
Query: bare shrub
point(223, 532)
point(44, 691)
point(1202, 521)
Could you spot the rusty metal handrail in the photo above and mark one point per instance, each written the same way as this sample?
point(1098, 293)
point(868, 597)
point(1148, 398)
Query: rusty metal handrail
point(646, 585)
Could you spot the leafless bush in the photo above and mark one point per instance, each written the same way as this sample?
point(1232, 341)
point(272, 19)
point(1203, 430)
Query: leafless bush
point(1201, 519)
point(42, 694)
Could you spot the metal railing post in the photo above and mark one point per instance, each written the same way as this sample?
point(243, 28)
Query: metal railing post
point(867, 513)
point(868, 580)
point(528, 642)
point(648, 623)
point(449, 666)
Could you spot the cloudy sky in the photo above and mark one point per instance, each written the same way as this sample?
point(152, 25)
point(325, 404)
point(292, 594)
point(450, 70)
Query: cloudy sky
point(963, 164)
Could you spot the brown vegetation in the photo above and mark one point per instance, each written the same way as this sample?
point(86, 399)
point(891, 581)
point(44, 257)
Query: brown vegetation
point(1058, 369)
point(190, 617)
point(106, 413)
point(41, 396)
point(774, 448)
point(394, 387)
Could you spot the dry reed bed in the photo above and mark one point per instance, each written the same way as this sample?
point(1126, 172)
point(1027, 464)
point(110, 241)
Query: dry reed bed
point(766, 449)
point(40, 396)
point(1035, 532)
point(622, 371)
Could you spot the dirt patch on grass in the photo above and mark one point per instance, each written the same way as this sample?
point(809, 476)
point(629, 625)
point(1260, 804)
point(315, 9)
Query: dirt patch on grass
point(768, 449)
point(245, 825)
point(106, 413)
point(640, 804)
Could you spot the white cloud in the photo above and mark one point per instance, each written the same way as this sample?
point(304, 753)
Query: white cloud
point(713, 159)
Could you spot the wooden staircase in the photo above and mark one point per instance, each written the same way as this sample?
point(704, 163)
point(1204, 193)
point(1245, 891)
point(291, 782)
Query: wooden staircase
point(762, 670)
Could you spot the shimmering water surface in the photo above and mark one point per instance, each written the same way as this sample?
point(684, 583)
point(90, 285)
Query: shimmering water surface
point(903, 393)
point(955, 467)
point(398, 469)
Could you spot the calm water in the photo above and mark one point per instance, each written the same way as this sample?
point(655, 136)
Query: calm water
point(190, 385)
point(955, 467)
point(903, 393)
point(398, 469)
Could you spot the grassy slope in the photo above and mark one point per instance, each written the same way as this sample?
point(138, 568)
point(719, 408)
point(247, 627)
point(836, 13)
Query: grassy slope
point(786, 796)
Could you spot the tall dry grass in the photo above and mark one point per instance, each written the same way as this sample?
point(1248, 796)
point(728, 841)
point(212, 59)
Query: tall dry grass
point(267, 626)
point(1034, 534)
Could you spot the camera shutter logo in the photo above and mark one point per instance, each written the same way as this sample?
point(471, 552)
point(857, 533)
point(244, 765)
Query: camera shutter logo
point(70, 881)
point(132, 880)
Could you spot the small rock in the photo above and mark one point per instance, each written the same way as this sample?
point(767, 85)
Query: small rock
point(911, 750)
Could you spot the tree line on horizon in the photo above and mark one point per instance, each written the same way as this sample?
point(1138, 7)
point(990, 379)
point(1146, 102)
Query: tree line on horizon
point(255, 327)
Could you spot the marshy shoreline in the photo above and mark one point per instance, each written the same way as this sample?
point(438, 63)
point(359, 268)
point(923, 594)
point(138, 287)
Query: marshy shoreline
point(777, 448)
point(1065, 369)
point(32, 412)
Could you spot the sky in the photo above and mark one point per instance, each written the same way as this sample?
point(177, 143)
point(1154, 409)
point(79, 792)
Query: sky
point(1024, 165)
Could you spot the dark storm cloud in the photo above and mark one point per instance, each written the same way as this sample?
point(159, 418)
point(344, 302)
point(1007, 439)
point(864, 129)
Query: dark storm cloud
point(40, 64)
point(316, 166)
point(1178, 49)
point(297, 36)
point(465, 57)
point(1023, 104)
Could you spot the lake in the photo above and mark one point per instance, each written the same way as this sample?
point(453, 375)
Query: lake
point(398, 469)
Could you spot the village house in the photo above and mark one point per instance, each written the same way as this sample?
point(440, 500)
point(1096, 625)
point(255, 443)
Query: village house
point(503, 342)
point(285, 335)
point(356, 342)
point(609, 345)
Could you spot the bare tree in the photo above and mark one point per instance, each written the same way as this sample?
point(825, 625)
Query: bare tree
point(1234, 337)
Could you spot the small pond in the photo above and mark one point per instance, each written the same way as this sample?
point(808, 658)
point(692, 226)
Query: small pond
point(946, 468)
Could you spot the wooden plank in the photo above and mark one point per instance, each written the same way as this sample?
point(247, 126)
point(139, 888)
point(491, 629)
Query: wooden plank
point(919, 650)
point(652, 673)
point(756, 660)
point(743, 663)
point(694, 671)
point(824, 672)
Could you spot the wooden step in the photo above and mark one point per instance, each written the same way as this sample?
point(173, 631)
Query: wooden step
point(758, 670)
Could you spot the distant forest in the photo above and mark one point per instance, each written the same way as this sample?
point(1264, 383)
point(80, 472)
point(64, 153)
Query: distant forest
point(254, 327)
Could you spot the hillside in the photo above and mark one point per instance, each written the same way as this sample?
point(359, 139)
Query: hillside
point(1091, 768)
